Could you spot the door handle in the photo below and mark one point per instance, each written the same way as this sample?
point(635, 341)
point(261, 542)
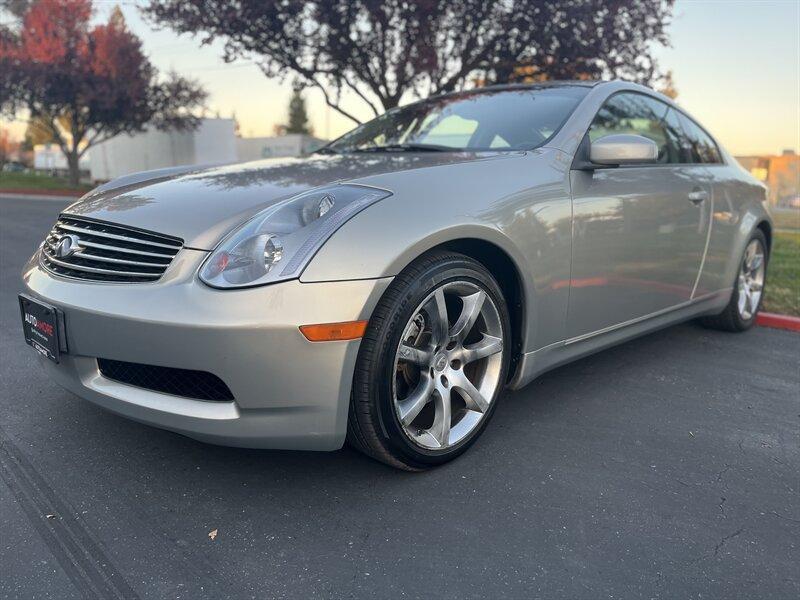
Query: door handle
point(698, 196)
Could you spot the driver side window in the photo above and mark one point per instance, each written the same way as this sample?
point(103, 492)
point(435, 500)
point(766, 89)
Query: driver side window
point(637, 114)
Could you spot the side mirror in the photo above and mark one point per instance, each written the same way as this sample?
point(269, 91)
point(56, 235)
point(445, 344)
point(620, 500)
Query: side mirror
point(622, 149)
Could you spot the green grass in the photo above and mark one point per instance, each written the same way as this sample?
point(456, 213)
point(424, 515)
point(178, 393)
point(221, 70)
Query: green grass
point(786, 218)
point(783, 278)
point(36, 181)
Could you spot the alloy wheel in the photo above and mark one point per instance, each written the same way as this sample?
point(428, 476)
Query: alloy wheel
point(751, 279)
point(448, 365)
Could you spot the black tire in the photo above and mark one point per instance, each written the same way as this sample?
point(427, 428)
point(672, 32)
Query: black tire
point(730, 319)
point(373, 425)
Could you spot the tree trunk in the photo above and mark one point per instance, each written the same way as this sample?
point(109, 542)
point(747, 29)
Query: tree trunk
point(73, 161)
point(390, 102)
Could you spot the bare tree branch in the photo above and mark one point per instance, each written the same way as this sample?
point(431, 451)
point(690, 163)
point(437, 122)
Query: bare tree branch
point(383, 51)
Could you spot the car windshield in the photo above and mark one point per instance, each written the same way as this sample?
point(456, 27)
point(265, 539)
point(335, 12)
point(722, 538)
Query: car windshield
point(507, 119)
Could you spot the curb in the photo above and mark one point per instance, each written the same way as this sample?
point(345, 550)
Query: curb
point(41, 193)
point(778, 321)
point(36, 198)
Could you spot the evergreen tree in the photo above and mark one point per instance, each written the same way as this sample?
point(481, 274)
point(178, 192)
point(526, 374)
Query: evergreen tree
point(298, 117)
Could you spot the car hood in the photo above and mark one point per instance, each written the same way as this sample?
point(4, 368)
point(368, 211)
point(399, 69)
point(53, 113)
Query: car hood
point(201, 204)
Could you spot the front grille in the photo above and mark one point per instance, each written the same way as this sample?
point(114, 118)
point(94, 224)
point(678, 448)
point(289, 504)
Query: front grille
point(106, 252)
point(199, 385)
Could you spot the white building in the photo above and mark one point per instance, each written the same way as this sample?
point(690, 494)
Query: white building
point(291, 144)
point(213, 142)
point(48, 157)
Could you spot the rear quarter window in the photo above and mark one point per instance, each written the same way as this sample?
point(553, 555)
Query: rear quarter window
point(701, 148)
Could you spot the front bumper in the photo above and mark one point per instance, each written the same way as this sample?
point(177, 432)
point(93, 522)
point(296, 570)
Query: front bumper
point(288, 392)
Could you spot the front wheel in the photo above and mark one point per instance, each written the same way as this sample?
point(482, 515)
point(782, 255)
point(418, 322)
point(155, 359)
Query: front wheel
point(748, 291)
point(432, 364)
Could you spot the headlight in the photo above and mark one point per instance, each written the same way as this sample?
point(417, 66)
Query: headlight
point(279, 242)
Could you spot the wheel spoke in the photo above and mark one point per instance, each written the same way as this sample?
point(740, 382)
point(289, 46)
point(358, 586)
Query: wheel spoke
point(410, 407)
point(742, 295)
point(488, 346)
point(437, 312)
point(469, 314)
point(472, 396)
point(417, 356)
point(748, 255)
point(749, 303)
point(756, 298)
point(440, 430)
point(755, 262)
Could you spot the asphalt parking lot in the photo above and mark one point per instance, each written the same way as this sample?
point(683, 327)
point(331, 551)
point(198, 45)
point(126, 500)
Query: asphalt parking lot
point(668, 467)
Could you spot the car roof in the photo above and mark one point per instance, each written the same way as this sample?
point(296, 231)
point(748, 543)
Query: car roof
point(545, 84)
point(502, 87)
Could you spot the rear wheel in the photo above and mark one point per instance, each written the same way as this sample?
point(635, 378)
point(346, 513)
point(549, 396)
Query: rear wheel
point(432, 363)
point(748, 291)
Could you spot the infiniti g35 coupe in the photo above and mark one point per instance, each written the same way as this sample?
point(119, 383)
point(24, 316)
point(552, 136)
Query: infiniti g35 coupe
point(385, 290)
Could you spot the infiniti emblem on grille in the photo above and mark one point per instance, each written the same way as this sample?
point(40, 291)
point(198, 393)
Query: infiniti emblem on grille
point(67, 245)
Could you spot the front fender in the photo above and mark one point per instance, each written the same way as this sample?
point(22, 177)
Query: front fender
point(521, 206)
point(389, 255)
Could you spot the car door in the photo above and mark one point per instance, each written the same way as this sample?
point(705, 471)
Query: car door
point(639, 232)
point(728, 195)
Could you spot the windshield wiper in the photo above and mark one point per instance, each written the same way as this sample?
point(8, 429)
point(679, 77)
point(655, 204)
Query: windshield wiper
point(405, 148)
point(326, 150)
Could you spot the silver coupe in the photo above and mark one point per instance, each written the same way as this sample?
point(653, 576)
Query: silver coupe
point(386, 290)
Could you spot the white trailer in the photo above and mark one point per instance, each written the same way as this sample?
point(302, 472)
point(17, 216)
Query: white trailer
point(291, 144)
point(213, 142)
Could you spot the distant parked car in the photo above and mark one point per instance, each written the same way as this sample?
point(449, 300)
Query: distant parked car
point(387, 289)
point(14, 167)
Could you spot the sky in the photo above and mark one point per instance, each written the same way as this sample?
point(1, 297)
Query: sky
point(735, 64)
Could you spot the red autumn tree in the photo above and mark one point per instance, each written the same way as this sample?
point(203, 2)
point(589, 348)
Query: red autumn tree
point(84, 83)
point(7, 146)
